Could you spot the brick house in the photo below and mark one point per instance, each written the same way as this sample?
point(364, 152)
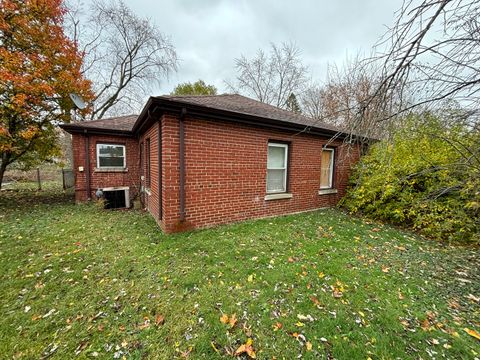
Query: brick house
point(199, 161)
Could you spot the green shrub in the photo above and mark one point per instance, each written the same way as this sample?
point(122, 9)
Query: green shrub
point(425, 177)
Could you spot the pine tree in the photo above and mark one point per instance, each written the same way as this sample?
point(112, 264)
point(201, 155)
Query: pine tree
point(292, 104)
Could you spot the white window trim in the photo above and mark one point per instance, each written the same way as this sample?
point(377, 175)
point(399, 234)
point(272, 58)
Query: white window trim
point(285, 167)
point(111, 167)
point(330, 176)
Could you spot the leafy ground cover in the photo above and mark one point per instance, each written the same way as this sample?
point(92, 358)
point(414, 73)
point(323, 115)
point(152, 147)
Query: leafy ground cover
point(80, 282)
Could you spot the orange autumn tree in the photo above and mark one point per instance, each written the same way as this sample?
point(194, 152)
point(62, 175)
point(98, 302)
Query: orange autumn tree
point(39, 68)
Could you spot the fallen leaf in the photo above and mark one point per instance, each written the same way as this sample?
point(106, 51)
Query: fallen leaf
point(337, 294)
point(246, 348)
point(315, 300)
point(233, 320)
point(277, 326)
point(425, 325)
point(405, 323)
point(224, 319)
point(214, 347)
point(473, 333)
point(309, 346)
point(52, 311)
point(145, 324)
point(159, 320)
point(305, 318)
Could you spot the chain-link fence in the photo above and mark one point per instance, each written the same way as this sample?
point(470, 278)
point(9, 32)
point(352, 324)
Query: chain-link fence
point(39, 177)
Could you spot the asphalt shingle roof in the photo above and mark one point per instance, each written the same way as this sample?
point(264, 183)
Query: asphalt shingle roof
point(233, 103)
point(124, 123)
point(244, 105)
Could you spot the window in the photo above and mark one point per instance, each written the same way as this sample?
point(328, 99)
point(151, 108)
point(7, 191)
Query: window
point(147, 165)
point(326, 172)
point(111, 156)
point(277, 168)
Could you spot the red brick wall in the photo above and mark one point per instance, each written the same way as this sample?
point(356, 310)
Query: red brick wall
point(150, 196)
point(226, 173)
point(98, 179)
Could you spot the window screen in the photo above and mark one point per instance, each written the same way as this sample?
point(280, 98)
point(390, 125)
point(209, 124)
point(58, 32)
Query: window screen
point(110, 155)
point(277, 168)
point(326, 173)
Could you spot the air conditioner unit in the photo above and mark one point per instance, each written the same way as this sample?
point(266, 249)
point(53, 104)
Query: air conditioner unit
point(116, 197)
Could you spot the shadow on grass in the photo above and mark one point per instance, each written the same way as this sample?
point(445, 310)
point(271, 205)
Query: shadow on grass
point(22, 194)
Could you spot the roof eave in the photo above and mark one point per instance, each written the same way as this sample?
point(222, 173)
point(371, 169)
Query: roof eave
point(75, 129)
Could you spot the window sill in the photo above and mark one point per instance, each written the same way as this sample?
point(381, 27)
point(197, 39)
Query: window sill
point(278, 196)
point(327, 191)
point(107, 169)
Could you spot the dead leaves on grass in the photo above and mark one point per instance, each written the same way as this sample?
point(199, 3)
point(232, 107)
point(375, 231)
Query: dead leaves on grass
point(231, 321)
point(246, 348)
point(472, 333)
point(277, 326)
point(338, 289)
point(159, 320)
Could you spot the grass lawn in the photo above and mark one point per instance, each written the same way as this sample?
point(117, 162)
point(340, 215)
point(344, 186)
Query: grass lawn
point(80, 282)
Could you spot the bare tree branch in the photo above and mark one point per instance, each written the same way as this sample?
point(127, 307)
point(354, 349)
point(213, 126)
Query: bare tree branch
point(271, 78)
point(124, 56)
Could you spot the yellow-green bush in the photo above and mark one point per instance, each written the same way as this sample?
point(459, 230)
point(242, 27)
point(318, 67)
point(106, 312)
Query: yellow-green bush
point(426, 177)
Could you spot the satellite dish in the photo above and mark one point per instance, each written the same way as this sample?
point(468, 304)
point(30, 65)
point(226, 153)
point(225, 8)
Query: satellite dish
point(78, 101)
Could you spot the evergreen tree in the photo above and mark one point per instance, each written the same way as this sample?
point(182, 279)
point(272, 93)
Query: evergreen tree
point(292, 104)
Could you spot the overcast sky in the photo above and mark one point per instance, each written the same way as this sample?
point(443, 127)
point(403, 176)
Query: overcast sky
point(209, 34)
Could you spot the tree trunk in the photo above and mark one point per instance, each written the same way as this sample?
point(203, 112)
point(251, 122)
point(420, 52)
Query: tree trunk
point(2, 171)
point(3, 167)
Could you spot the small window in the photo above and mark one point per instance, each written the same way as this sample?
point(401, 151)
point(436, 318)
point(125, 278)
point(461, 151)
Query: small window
point(277, 168)
point(111, 156)
point(147, 165)
point(326, 173)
